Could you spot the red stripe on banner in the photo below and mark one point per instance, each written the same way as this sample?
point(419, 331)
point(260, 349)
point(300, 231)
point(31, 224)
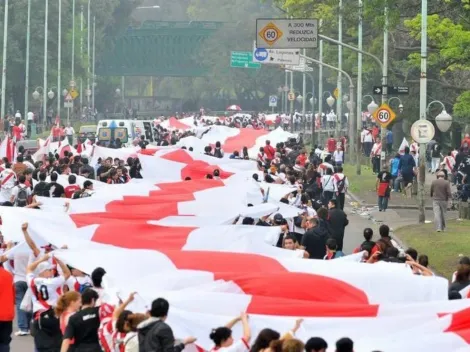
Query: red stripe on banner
point(142, 236)
point(150, 152)
point(199, 169)
point(299, 308)
point(260, 275)
point(180, 156)
point(190, 186)
point(246, 138)
point(158, 198)
point(460, 324)
point(175, 123)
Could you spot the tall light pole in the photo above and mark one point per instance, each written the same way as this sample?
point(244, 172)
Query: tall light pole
point(46, 28)
point(59, 58)
point(359, 93)
point(383, 161)
point(94, 62)
point(304, 91)
point(88, 26)
point(422, 106)
point(292, 102)
point(4, 64)
point(73, 40)
point(26, 76)
point(320, 78)
point(339, 102)
point(81, 55)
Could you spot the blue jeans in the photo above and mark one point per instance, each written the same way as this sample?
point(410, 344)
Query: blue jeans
point(23, 317)
point(383, 203)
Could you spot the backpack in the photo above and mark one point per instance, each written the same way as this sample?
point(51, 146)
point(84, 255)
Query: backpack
point(22, 197)
point(341, 184)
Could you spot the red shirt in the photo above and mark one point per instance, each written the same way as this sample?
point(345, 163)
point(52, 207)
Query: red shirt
point(16, 131)
point(331, 145)
point(70, 190)
point(269, 151)
point(7, 296)
point(302, 159)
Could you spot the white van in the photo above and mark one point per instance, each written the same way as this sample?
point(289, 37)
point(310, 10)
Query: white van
point(107, 131)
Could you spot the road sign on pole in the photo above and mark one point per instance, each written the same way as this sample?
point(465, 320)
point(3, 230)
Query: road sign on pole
point(72, 84)
point(73, 93)
point(422, 131)
point(278, 33)
point(243, 59)
point(277, 56)
point(384, 115)
point(68, 101)
point(301, 67)
point(273, 101)
point(336, 93)
point(291, 96)
point(392, 90)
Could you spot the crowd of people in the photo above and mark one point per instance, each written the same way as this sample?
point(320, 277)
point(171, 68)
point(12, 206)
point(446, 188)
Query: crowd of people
point(65, 309)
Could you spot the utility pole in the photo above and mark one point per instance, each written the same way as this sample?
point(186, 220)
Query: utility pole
point(292, 102)
point(26, 76)
point(320, 79)
point(339, 99)
point(304, 91)
point(93, 67)
point(383, 160)
point(44, 93)
point(359, 94)
point(422, 106)
point(4, 64)
point(88, 53)
point(81, 56)
point(59, 60)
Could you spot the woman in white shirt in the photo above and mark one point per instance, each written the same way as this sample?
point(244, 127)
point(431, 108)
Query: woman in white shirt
point(328, 186)
point(223, 339)
point(338, 156)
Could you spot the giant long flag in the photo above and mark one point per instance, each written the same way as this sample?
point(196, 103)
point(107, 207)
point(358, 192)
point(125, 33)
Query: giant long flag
point(211, 270)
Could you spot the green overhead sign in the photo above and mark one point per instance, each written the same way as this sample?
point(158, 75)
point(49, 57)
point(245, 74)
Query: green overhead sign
point(243, 59)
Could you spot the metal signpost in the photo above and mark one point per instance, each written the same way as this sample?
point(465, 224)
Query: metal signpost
point(273, 102)
point(243, 59)
point(286, 33)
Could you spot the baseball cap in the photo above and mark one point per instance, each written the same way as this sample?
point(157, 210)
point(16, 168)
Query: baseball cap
point(43, 267)
point(278, 219)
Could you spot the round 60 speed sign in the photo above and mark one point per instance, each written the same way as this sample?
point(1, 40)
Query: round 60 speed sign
point(384, 115)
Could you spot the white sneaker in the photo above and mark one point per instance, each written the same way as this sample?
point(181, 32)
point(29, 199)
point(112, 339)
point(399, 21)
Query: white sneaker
point(21, 333)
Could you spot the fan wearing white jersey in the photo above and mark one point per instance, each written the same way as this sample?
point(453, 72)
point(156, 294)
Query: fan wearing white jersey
point(45, 287)
point(223, 339)
point(8, 180)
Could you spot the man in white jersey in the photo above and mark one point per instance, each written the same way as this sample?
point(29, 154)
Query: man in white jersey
point(46, 291)
point(7, 182)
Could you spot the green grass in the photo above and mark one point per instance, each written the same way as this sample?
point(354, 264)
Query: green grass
point(442, 248)
point(362, 183)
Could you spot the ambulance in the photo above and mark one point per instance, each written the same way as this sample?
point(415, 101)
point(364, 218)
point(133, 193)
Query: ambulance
point(107, 131)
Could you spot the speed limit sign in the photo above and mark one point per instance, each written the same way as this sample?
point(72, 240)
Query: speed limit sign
point(270, 33)
point(384, 115)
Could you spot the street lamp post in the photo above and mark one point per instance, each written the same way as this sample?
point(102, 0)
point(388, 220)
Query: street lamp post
point(46, 30)
point(59, 57)
point(304, 90)
point(400, 103)
point(94, 62)
point(359, 90)
point(81, 56)
point(73, 40)
point(320, 76)
point(339, 103)
point(38, 96)
point(443, 119)
point(88, 29)
point(26, 76)
point(422, 107)
point(4, 58)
